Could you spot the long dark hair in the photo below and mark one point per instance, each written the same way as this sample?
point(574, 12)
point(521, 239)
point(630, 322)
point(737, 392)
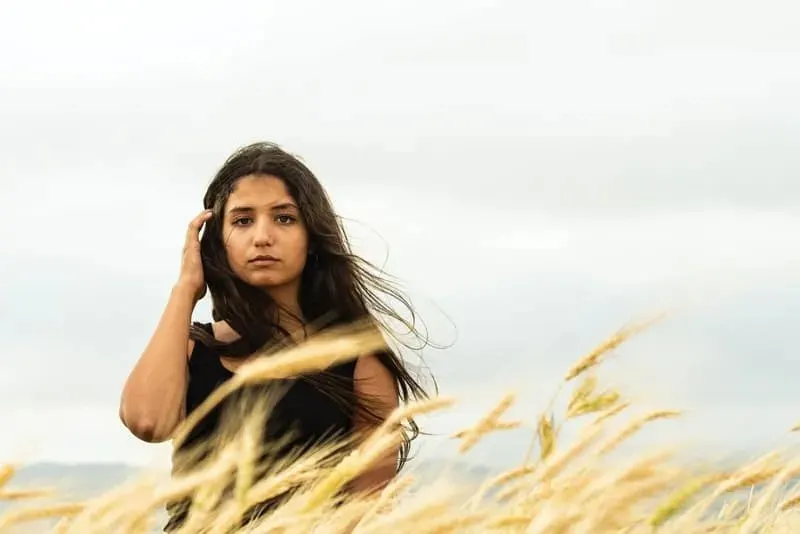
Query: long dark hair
point(337, 286)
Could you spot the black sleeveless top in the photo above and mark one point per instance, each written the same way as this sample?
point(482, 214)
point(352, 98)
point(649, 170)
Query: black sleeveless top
point(304, 412)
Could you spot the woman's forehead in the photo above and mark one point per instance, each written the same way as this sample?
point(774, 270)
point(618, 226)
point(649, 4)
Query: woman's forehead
point(259, 191)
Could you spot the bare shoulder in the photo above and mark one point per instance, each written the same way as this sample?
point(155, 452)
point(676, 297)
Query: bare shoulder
point(370, 366)
point(372, 378)
point(223, 332)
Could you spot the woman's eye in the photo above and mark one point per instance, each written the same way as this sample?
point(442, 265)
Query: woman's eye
point(285, 219)
point(242, 221)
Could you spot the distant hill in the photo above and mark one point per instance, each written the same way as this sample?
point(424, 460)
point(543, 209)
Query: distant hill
point(86, 479)
point(83, 477)
point(72, 482)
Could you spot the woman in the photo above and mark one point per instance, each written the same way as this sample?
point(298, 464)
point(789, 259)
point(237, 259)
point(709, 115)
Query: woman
point(275, 259)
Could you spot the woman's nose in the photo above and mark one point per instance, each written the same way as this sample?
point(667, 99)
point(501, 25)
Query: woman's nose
point(263, 237)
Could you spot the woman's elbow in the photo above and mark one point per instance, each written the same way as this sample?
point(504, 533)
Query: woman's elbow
point(143, 427)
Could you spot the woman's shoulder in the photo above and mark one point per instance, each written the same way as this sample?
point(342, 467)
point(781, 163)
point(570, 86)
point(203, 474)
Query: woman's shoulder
point(223, 332)
point(219, 331)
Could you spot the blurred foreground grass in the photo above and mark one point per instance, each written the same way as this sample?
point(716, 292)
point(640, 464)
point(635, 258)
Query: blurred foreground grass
point(560, 487)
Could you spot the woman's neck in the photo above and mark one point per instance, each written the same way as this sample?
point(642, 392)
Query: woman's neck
point(289, 315)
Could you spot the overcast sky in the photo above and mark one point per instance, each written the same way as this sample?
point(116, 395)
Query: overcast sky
point(539, 172)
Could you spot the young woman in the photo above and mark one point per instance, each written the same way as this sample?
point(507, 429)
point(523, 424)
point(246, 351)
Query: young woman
point(275, 260)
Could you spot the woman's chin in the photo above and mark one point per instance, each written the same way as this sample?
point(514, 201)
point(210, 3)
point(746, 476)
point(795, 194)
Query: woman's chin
point(265, 281)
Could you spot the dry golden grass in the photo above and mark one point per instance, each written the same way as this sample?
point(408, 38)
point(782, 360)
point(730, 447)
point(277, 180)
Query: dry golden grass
point(569, 487)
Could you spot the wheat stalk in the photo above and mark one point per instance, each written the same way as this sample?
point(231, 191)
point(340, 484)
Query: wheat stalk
point(574, 486)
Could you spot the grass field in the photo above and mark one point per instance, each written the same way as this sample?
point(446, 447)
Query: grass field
point(577, 486)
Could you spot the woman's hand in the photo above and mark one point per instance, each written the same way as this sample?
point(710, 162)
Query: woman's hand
point(191, 276)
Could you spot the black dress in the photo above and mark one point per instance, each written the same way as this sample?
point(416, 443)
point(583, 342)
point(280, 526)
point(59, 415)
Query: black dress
point(309, 411)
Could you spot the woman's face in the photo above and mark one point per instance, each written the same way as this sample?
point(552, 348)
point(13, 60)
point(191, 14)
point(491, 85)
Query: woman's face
point(265, 237)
